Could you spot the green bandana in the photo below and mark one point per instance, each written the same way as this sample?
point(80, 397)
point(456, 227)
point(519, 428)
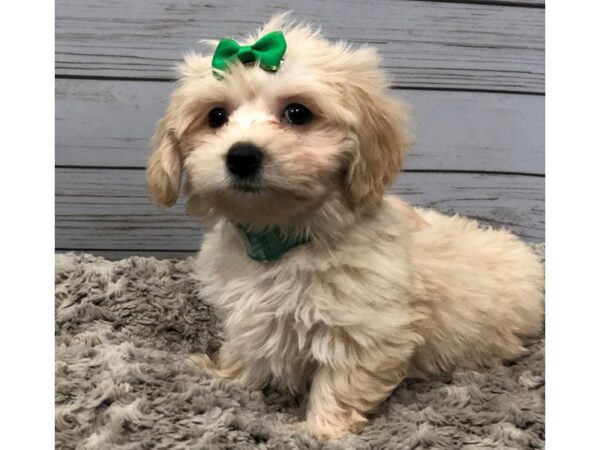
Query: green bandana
point(268, 51)
point(267, 245)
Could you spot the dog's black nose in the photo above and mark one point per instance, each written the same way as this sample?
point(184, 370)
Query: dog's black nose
point(244, 159)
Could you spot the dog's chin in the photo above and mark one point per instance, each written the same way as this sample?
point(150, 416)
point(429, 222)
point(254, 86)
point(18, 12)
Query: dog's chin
point(254, 203)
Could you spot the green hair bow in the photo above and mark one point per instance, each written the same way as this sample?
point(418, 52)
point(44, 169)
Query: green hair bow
point(268, 51)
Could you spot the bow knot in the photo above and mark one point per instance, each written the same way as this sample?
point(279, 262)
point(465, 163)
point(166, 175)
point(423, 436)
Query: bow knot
point(268, 51)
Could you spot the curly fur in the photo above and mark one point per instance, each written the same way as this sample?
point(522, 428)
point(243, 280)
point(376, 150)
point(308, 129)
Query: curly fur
point(383, 290)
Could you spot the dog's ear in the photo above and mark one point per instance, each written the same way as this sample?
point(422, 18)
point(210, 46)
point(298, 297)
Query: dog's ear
point(165, 167)
point(163, 172)
point(381, 132)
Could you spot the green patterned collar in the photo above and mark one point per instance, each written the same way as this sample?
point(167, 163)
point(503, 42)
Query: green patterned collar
point(269, 244)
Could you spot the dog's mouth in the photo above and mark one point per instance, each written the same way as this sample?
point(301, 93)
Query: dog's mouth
point(248, 186)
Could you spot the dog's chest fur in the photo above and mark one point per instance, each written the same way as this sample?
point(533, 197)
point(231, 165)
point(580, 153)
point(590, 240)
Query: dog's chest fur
point(268, 314)
point(290, 316)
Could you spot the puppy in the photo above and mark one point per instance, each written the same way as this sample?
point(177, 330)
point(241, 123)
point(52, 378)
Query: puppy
point(326, 285)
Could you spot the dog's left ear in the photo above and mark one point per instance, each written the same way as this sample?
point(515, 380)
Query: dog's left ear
point(382, 134)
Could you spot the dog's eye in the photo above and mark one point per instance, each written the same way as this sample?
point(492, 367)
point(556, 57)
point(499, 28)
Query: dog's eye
point(217, 117)
point(297, 114)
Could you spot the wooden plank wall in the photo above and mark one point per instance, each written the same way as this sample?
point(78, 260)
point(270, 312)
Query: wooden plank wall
point(473, 72)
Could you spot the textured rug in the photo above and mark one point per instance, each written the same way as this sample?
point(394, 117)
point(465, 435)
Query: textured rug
point(124, 328)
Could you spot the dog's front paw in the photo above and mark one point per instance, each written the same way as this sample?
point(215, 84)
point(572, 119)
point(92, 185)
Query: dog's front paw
point(230, 367)
point(213, 367)
point(201, 361)
point(332, 429)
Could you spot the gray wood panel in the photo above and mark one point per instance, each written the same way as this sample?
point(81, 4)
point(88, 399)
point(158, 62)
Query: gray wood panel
point(437, 45)
point(539, 3)
point(109, 123)
point(527, 3)
point(108, 209)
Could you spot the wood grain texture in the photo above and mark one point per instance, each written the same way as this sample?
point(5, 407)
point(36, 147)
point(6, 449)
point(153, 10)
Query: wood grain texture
point(108, 209)
point(109, 123)
point(526, 3)
point(432, 45)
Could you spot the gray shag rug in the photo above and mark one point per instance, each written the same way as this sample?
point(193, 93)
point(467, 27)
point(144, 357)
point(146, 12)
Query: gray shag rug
point(124, 329)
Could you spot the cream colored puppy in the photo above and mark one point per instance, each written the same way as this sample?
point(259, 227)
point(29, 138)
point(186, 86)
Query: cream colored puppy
point(324, 283)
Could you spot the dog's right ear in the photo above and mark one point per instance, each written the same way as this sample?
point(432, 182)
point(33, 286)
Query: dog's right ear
point(165, 167)
point(163, 172)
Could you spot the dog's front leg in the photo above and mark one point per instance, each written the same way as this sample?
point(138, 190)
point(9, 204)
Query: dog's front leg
point(230, 364)
point(339, 396)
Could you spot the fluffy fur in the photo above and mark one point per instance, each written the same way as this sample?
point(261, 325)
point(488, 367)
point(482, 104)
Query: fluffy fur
point(383, 290)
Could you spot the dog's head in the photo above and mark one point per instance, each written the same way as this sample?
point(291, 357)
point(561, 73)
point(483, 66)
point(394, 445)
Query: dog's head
point(265, 148)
